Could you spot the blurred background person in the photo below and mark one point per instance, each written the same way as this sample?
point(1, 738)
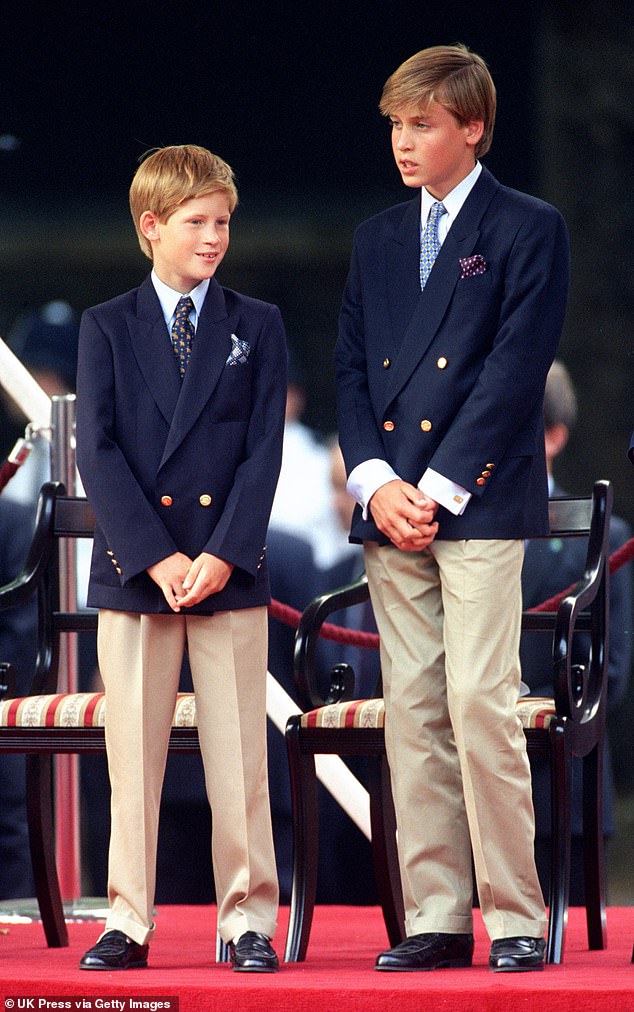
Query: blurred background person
point(303, 502)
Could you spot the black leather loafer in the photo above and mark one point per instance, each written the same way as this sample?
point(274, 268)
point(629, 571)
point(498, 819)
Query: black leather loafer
point(115, 951)
point(516, 954)
point(253, 953)
point(428, 952)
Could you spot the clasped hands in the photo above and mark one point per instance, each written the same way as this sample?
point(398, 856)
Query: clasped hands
point(405, 515)
point(185, 583)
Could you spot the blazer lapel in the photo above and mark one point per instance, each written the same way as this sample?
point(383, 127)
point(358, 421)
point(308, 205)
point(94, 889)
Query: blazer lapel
point(210, 349)
point(431, 304)
point(153, 350)
point(402, 255)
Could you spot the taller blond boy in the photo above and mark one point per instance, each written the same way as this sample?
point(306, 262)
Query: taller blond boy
point(450, 320)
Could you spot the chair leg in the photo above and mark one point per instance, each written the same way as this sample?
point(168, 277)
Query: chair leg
point(303, 779)
point(222, 951)
point(39, 805)
point(384, 851)
point(560, 844)
point(594, 848)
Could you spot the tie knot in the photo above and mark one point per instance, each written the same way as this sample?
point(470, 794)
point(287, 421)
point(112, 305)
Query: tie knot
point(437, 210)
point(185, 306)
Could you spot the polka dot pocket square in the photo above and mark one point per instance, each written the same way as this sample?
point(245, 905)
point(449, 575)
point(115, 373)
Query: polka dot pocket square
point(239, 351)
point(473, 265)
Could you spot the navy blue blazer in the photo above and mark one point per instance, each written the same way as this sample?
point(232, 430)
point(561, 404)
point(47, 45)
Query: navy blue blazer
point(453, 377)
point(171, 466)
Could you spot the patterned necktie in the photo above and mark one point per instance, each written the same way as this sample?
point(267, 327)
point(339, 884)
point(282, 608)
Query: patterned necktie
point(183, 333)
point(429, 243)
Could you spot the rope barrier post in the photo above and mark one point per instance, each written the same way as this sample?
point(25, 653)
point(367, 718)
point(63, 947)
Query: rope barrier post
point(67, 799)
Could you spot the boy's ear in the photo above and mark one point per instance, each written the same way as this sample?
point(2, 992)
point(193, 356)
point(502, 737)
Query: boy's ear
point(148, 224)
point(475, 129)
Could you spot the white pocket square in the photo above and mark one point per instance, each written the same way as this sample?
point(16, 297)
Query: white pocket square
point(239, 351)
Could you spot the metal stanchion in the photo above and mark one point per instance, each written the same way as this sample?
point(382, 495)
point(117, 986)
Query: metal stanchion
point(67, 800)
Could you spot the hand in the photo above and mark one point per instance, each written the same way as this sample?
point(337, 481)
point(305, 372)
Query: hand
point(405, 515)
point(207, 575)
point(169, 574)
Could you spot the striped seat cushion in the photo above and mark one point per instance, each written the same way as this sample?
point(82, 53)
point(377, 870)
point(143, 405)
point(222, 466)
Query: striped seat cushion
point(78, 709)
point(533, 711)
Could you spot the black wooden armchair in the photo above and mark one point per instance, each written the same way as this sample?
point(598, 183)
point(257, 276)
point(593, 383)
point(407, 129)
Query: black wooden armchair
point(570, 724)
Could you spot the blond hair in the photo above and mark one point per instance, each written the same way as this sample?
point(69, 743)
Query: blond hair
point(168, 176)
point(454, 77)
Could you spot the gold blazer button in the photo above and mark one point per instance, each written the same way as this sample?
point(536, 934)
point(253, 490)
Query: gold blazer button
point(486, 474)
point(490, 466)
point(425, 425)
point(442, 362)
point(389, 426)
point(119, 571)
point(166, 500)
point(205, 499)
point(386, 363)
point(481, 481)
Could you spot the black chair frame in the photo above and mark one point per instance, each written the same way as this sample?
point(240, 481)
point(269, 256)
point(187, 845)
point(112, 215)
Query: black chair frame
point(577, 729)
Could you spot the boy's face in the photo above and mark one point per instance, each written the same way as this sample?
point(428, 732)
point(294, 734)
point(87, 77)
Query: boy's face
point(188, 247)
point(432, 149)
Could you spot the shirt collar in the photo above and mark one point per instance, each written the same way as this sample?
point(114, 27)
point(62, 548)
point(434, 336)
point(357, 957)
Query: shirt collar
point(169, 298)
point(453, 201)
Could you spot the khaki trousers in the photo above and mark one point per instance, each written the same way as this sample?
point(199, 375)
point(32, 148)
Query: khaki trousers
point(449, 622)
point(140, 660)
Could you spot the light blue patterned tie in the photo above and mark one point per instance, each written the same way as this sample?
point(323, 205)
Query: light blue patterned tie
point(183, 333)
point(429, 243)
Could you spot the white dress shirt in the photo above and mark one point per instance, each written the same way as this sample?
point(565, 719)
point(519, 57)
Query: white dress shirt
point(370, 475)
point(169, 300)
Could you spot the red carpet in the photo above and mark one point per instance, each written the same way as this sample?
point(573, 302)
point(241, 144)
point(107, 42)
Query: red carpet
point(337, 975)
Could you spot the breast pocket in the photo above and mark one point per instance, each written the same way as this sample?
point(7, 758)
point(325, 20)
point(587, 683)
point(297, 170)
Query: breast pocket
point(231, 400)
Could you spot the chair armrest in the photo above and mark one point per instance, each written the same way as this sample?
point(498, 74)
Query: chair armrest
point(580, 691)
point(307, 638)
point(25, 584)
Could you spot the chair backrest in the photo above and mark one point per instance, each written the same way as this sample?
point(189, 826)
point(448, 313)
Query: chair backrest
point(580, 690)
point(60, 518)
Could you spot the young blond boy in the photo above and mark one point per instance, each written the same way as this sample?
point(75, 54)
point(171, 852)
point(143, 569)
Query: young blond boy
point(180, 413)
point(450, 320)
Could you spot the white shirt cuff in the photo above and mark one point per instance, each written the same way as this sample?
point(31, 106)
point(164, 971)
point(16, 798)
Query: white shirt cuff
point(444, 491)
point(366, 477)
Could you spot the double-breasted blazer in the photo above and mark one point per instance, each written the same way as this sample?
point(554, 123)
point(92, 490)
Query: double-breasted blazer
point(453, 377)
point(185, 466)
